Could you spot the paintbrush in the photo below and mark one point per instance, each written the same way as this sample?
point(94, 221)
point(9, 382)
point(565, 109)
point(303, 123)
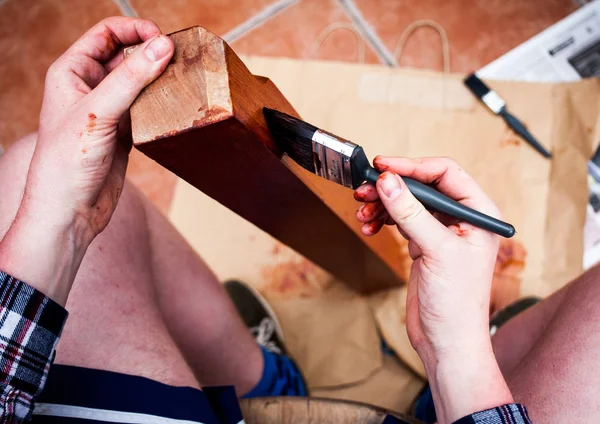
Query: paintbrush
point(495, 103)
point(346, 163)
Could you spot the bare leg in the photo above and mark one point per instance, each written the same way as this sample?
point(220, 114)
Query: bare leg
point(198, 313)
point(554, 368)
point(143, 303)
point(517, 337)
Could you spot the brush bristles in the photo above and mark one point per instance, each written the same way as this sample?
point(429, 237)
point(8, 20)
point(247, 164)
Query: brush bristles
point(476, 86)
point(293, 136)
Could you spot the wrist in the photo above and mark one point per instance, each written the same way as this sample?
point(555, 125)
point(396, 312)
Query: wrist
point(466, 381)
point(45, 250)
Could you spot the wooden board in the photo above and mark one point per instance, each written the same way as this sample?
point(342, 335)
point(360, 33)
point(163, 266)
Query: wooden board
point(203, 120)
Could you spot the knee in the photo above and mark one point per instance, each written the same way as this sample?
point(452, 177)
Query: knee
point(19, 153)
point(14, 164)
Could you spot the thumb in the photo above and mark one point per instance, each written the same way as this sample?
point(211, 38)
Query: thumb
point(410, 215)
point(115, 94)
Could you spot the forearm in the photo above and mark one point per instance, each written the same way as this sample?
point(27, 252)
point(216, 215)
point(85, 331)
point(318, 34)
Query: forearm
point(466, 382)
point(44, 250)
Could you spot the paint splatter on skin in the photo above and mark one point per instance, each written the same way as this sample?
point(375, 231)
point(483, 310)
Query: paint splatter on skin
point(373, 227)
point(377, 163)
point(369, 211)
point(91, 123)
point(107, 43)
point(458, 230)
point(366, 193)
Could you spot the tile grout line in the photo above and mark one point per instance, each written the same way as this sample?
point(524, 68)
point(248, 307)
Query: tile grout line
point(257, 20)
point(126, 8)
point(385, 56)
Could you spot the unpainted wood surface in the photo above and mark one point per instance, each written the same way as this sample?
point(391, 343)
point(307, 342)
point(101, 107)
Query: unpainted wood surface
point(203, 120)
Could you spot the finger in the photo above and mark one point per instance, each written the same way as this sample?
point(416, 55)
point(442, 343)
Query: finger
point(372, 228)
point(388, 219)
point(84, 68)
point(414, 251)
point(115, 94)
point(410, 215)
point(447, 220)
point(80, 67)
point(366, 193)
point(370, 211)
point(115, 60)
point(443, 173)
point(402, 233)
point(104, 39)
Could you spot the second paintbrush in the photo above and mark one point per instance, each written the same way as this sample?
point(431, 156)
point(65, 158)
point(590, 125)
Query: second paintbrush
point(346, 163)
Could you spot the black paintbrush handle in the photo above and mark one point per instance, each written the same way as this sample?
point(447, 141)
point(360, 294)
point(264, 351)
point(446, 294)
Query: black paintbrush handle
point(518, 127)
point(440, 202)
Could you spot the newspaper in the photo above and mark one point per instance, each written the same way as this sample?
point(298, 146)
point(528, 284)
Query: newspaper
point(567, 51)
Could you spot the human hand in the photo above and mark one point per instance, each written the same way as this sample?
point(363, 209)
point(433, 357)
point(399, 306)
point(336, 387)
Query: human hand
point(78, 167)
point(79, 163)
point(450, 280)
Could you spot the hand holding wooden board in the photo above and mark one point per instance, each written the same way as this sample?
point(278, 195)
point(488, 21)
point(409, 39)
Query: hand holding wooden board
point(203, 120)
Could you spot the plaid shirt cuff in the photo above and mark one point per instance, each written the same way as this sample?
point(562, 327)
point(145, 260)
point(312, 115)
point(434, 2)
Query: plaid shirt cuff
point(30, 326)
point(513, 413)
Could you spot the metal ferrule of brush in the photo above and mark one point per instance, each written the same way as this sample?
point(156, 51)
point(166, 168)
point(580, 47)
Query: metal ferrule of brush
point(493, 101)
point(332, 157)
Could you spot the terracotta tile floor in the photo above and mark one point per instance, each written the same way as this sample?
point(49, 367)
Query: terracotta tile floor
point(34, 32)
point(294, 32)
point(479, 31)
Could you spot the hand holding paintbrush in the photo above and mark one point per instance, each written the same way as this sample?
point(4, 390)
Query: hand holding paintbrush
point(345, 163)
point(389, 202)
point(449, 285)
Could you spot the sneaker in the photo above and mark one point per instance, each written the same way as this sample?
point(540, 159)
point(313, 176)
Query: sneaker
point(501, 317)
point(258, 316)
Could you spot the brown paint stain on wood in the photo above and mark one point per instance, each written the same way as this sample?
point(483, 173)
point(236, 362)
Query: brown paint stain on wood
point(208, 106)
point(210, 116)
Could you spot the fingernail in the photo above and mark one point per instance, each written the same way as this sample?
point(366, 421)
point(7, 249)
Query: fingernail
point(390, 185)
point(378, 165)
point(158, 48)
